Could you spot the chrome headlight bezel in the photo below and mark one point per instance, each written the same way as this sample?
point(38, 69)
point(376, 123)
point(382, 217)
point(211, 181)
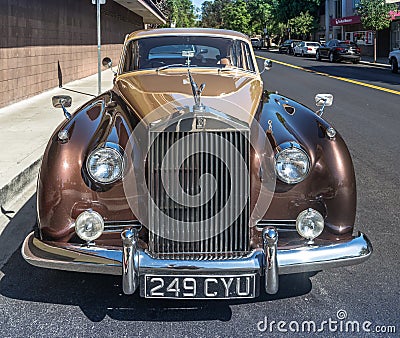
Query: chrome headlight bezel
point(118, 155)
point(285, 149)
point(80, 225)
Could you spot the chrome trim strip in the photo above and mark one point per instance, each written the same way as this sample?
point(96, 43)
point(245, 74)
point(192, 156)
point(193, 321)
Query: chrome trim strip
point(108, 260)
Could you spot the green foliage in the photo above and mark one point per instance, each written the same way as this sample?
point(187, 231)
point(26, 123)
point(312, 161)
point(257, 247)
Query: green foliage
point(180, 12)
point(252, 16)
point(303, 24)
point(284, 10)
point(236, 17)
point(375, 14)
point(211, 13)
point(261, 15)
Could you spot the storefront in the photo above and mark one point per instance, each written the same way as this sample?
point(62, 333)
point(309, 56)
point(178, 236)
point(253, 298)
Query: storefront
point(352, 29)
point(395, 31)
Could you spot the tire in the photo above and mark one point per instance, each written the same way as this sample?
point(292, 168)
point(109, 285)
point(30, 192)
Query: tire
point(302, 53)
point(288, 51)
point(317, 56)
point(394, 65)
point(356, 61)
point(331, 58)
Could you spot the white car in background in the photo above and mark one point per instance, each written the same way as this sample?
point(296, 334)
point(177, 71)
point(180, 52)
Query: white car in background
point(306, 48)
point(394, 60)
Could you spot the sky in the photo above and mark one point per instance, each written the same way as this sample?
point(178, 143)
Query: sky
point(198, 3)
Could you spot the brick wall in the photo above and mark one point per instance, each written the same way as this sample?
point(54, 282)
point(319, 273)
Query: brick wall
point(40, 38)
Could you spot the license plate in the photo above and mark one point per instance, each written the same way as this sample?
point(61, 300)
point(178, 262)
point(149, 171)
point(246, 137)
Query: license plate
point(200, 287)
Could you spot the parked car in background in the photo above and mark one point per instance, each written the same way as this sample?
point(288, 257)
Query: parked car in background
point(189, 180)
point(256, 43)
point(337, 50)
point(287, 46)
point(394, 60)
point(306, 48)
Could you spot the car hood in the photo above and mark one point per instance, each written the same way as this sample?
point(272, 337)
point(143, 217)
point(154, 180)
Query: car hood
point(161, 93)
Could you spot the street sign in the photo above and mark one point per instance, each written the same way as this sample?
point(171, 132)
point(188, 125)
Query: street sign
point(102, 2)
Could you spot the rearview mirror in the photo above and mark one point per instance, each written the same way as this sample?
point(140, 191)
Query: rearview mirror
point(61, 100)
point(325, 100)
point(267, 65)
point(107, 62)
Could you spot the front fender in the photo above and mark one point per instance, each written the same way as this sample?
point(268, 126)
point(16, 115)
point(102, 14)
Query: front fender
point(330, 186)
point(64, 188)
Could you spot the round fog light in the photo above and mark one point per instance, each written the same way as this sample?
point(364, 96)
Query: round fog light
point(309, 224)
point(89, 225)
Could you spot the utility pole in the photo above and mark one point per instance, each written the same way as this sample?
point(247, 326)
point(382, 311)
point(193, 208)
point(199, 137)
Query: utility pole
point(98, 3)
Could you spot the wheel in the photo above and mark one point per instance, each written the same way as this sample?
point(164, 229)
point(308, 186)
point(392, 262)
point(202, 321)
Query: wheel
point(331, 58)
point(356, 61)
point(302, 53)
point(394, 65)
point(317, 56)
point(288, 51)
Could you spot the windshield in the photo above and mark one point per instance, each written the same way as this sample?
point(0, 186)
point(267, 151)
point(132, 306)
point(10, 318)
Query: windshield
point(187, 51)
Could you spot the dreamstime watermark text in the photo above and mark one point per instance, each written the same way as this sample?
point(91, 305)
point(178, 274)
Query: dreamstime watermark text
point(339, 323)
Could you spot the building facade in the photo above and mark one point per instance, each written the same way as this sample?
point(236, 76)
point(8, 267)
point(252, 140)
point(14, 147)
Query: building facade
point(340, 21)
point(45, 43)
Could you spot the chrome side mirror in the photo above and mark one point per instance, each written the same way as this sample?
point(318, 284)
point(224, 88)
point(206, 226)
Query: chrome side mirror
point(323, 100)
point(62, 101)
point(107, 62)
point(267, 65)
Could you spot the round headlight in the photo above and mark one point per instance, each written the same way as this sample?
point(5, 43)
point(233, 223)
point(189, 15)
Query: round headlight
point(89, 225)
point(310, 224)
point(105, 165)
point(292, 165)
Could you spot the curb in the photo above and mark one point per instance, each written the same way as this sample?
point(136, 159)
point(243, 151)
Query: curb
point(17, 185)
point(372, 64)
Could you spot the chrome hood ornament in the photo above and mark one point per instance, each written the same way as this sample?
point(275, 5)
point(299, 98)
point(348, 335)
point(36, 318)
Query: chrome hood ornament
point(196, 92)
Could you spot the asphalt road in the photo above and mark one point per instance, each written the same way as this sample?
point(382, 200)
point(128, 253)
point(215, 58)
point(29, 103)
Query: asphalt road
point(37, 301)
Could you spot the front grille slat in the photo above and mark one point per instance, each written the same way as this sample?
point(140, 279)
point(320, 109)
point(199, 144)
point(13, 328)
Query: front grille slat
point(214, 159)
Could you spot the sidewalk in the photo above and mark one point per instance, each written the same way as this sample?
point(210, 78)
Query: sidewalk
point(26, 127)
point(380, 62)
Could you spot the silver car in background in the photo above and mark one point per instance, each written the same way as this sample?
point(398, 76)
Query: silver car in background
point(306, 48)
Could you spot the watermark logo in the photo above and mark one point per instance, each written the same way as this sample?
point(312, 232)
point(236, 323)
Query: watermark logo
point(339, 323)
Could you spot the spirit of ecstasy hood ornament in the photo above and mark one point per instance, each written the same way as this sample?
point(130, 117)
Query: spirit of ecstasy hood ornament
point(196, 91)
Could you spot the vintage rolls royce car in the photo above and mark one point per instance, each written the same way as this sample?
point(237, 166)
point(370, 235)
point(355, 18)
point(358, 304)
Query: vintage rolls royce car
point(189, 180)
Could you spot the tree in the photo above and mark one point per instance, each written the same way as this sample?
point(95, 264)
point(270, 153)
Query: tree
point(179, 12)
point(236, 17)
point(284, 10)
point(375, 16)
point(303, 24)
point(261, 15)
point(211, 13)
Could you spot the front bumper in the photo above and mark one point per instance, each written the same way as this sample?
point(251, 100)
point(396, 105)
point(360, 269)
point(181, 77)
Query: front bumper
point(133, 263)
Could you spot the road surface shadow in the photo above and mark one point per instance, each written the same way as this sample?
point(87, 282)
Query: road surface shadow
point(99, 296)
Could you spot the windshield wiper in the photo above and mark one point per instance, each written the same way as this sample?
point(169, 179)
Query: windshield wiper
point(174, 65)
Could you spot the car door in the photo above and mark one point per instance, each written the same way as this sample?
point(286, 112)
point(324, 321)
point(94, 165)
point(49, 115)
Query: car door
point(325, 49)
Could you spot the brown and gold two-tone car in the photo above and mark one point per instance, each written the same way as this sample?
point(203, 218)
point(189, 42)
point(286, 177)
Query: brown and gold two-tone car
point(189, 180)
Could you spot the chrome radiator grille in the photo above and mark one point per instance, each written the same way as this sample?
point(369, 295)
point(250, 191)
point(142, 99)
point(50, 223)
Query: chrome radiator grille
point(188, 241)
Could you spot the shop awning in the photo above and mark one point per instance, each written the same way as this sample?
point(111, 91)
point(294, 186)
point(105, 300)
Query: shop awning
point(145, 8)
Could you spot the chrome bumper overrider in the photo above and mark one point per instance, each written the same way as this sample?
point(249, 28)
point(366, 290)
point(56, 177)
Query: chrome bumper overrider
point(133, 263)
